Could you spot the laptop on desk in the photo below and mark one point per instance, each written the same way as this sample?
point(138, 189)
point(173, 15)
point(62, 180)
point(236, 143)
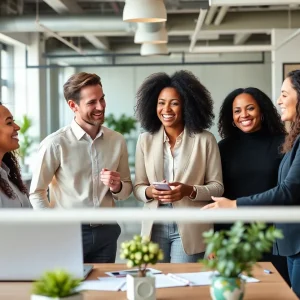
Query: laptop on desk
point(27, 250)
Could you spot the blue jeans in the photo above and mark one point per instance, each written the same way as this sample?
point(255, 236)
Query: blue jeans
point(100, 243)
point(294, 272)
point(169, 240)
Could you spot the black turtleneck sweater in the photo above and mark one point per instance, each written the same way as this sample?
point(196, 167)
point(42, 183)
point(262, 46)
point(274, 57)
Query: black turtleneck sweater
point(250, 164)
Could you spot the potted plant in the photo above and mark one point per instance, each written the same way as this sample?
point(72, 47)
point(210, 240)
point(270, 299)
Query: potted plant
point(56, 285)
point(140, 252)
point(236, 251)
point(123, 125)
point(26, 141)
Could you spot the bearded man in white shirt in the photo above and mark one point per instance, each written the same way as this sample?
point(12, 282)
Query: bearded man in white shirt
point(85, 165)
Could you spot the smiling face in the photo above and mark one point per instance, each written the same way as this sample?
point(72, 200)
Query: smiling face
point(90, 111)
point(246, 113)
point(169, 108)
point(8, 132)
point(287, 101)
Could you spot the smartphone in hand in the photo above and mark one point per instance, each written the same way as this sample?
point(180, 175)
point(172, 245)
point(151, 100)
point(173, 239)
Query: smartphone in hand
point(161, 186)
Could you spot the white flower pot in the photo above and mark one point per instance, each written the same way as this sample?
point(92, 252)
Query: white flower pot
point(140, 288)
point(73, 297)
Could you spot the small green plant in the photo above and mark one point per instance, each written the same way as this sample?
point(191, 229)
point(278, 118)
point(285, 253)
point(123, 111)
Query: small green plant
point(123, 125)
point(57, 283)
point(140, 252)
point(26, 141)
point(238, 249)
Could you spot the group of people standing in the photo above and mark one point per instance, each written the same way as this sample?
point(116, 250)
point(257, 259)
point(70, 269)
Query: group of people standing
point(85, 164)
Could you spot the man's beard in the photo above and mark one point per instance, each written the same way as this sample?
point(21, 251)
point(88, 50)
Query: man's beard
point(94, 122)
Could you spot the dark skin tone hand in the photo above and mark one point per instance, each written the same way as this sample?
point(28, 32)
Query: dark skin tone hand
point(179, 191)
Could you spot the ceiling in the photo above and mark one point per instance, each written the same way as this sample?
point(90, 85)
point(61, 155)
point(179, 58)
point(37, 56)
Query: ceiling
point(96, 25)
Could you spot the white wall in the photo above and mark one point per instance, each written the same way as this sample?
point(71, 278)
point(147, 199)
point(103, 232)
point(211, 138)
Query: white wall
point(288, 53)
point(121, 83)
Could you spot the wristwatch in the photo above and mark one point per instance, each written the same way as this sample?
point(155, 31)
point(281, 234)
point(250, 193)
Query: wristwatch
point(193, 193)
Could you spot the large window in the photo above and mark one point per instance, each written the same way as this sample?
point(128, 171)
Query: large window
point(6, 75)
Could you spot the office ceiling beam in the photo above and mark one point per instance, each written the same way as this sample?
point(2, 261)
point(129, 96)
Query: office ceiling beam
point(199, 25)
point(210, 14)
point(221, 15)
point(99, 43)
point(289, 38)
point(64, 6)
point(241, 38)
point(233, 49)
point(58, 23)
point(202, 36)
point(113, 25)
point(57, 36)
point(71, 7)
point(251, 2)
point(15, 38)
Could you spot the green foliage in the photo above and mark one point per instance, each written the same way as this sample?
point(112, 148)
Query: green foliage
point(140, 252)
point(25, 140)
point(56, 284)
point(239, 248)
point(123, 125)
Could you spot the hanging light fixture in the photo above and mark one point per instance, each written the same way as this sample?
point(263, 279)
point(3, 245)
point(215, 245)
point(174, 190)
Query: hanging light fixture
point(154, 49)
point(144, 11)
point(154, 33)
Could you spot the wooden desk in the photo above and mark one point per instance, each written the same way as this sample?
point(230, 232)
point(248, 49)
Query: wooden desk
point(272, 286)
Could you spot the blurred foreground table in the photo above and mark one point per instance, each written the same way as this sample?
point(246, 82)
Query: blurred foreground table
point(271, 286)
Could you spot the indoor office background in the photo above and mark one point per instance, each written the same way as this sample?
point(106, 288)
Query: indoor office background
point(231, 45)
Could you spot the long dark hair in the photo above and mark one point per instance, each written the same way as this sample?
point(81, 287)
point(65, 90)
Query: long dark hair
point(196, 101)
point(272, 122)
point(294, 76)
point(11, 161)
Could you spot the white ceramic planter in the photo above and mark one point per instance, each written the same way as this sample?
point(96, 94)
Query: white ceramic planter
point(74, 297)
point(141, 288)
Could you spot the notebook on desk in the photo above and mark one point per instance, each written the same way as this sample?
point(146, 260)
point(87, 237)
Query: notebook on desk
point(28, 250)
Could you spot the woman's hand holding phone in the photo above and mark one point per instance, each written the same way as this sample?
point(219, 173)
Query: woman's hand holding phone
point(173, 192)
point(161, 186)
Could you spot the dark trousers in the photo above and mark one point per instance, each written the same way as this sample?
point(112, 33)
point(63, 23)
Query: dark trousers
point(294, 272)
point(100, 243)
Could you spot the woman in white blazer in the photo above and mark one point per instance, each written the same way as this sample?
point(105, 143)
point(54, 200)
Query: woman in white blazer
point(175, 111)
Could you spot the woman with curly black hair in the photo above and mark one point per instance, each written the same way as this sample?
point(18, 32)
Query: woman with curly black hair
point(13, 192)
point(175, 111)
point(287, 190)
point(252, 134)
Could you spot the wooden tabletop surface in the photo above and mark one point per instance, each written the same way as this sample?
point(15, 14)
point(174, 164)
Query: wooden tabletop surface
point(271, 286)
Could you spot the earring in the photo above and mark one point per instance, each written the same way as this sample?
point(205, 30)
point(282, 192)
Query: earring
point(233, 124)
point(262, 118)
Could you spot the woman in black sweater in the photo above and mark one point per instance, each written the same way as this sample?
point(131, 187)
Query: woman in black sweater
point(249, 150)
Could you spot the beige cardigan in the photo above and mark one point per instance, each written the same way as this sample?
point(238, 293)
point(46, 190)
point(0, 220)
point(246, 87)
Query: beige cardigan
point(200, 166)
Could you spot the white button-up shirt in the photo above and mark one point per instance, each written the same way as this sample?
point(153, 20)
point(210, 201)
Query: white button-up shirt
point(70, 162)
point(171, 158)
point(20, 199)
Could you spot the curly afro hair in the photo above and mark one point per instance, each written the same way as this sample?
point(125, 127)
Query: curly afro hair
point(196, 101)
point(272, 122)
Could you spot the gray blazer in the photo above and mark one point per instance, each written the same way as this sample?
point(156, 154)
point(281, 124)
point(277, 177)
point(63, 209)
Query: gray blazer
point(287, 192)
